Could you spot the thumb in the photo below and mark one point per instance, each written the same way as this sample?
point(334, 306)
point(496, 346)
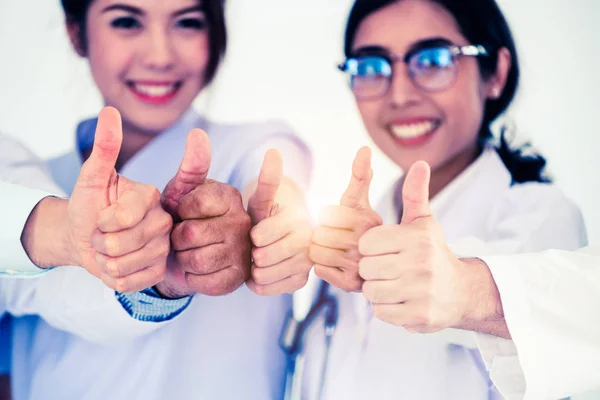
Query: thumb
point(415, 193)
point(99, 169)
point(357, 193)
point(192, 171)
point(263, 199)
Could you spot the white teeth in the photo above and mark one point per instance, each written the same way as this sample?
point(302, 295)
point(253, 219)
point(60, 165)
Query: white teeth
point(413, 130)
point(154, 90)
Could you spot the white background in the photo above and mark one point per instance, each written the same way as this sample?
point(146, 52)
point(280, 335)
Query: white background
point(281, 64)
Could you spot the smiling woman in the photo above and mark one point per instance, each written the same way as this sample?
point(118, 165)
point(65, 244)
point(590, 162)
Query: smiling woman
point(149, 60)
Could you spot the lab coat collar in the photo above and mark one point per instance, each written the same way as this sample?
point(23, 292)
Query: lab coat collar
point(464, 203)
point(136, 168)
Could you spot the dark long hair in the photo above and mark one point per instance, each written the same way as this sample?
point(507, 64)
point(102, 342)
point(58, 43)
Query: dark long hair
point(76, 13)
point(482, 23)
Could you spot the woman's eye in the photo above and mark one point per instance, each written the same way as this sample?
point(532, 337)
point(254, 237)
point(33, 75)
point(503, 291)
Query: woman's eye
point(192, 23)
point(125, 23)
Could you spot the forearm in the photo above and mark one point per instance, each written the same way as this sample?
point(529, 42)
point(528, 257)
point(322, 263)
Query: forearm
point(45, 236)
point(483, 312)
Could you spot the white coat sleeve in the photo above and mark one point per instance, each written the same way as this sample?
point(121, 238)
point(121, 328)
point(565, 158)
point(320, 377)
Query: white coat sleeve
point(75, 301)
point(531, 219)
point(551, 304)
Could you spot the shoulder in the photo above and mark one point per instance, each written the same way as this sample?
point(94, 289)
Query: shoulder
point(13, 151)
point(543, 214)
point(21, 166)
point(543, 199)
point(252, 131)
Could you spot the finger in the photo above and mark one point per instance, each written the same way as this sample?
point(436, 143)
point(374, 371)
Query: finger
point(393, 291)
point(192, 171)
point(98, 172)
point(274, 228)
point(415, 193)
point(386, 239)
point(138, 281)
point(213, 199)
point(154, 252)
point(219, 283)
point(341, 217)
point(129, 210)
point(331, 257)
point(300, 263)
point(206, 260)
point(357, 193)
point(156, 223)
point(288, 285)
point(193, 234)
point(263, 199)
point(289, 246)
point(384, 267)
point(335, 238)
point(348, 282)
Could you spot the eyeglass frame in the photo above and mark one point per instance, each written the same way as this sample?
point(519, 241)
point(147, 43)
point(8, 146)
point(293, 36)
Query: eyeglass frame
point(470, 50)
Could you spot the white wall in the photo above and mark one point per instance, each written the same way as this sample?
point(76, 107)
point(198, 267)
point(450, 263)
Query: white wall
point(281, 64)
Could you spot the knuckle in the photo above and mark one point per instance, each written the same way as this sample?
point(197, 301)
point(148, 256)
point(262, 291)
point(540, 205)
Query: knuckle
point(356, 284)
point(165, 247)
point(319, 271)
point(369, 292)
point(256, 237)
point(188, 233)
point(122, 285)
point(160, 274)
point(259, 257)
point(153, 194)
point(298, 281)
point(112, 245)
point(124, 217)
point(166, 223)
point(244, 222)
point(258, 275)
point(374, 219)
point(363, 268)
point(113, 269)
point(260, 290)
point(379, 312)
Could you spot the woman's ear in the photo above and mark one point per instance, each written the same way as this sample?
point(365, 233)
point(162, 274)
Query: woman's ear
point(75, 36)
point(496, 84)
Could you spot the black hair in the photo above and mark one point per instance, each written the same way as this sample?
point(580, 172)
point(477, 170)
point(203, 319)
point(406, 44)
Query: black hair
point(482, 23)
point(76, 14)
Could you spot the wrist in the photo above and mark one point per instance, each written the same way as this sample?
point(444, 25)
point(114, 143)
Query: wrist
point(169, 290)
point(174, 285)
point(483, 304)
point(45, 237)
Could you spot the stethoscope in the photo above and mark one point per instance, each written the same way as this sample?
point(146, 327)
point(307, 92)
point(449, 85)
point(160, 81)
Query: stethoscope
point(291, 342)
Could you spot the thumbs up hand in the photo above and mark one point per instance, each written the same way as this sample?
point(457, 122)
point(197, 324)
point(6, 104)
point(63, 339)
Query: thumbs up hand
point(334, 248)
point(411, 277)
point(118, 228)
point(211, 237)
point(280, 235)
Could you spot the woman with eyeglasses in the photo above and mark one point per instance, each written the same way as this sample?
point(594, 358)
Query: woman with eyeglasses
point(429, 78)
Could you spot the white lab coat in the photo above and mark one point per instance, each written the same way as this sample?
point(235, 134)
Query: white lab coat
point(220, 347)
point(551, 302)
point(376, 360)
point(66, 298)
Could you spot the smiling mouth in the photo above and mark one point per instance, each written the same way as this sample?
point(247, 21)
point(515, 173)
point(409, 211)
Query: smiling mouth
point(413, 133)
point(154, 92)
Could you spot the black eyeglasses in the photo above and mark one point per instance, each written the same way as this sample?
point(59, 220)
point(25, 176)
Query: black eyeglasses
point(432, 69)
